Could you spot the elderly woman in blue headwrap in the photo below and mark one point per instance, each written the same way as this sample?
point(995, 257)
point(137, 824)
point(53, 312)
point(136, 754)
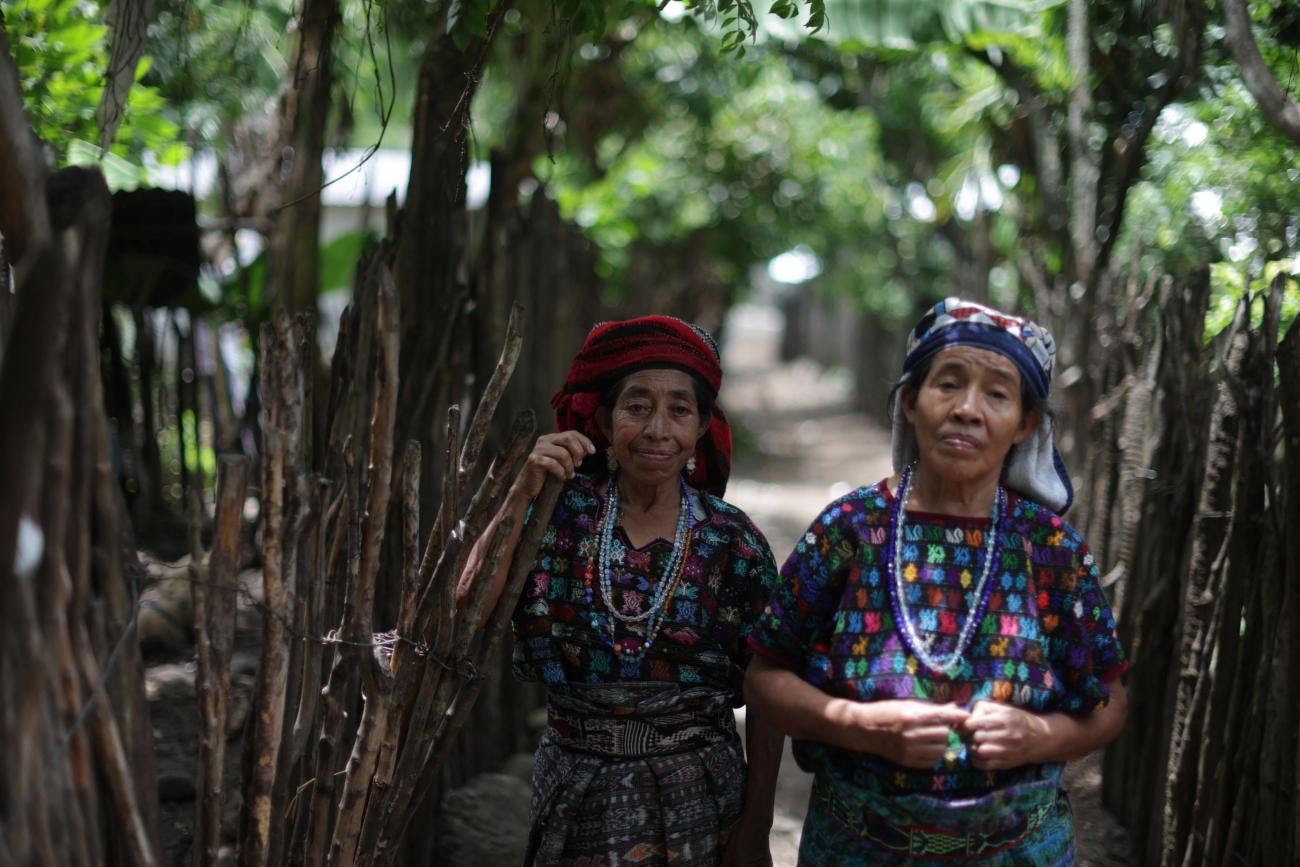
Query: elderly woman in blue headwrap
point(939, 644)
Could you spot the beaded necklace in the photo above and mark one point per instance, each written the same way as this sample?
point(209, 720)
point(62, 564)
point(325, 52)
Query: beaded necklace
point(920, 647)
point(665, 587)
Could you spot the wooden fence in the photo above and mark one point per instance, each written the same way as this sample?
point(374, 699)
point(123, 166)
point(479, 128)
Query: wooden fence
point(1191, 500)
point(78, 759)
point(351, 723)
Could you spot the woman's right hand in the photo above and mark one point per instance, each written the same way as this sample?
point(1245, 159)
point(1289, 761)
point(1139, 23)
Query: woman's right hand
point(914, 734)
point(558, 455)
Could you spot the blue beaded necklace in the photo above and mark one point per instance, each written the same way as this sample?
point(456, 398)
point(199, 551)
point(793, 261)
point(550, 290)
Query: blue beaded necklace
point(664, 589)
point(917, 645)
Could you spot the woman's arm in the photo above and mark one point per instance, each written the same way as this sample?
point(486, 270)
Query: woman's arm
point(1003, 736)
point(749, 840)
point(910, 733)
point(557, 455)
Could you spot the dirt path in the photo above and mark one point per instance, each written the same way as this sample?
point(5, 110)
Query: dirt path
point(798, 447)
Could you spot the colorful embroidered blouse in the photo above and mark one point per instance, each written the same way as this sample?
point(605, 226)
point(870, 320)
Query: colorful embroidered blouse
point(1046, 642)
point(728, 574)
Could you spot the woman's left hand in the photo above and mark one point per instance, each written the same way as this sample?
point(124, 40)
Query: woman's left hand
point(747, 844)
point(1003, 736)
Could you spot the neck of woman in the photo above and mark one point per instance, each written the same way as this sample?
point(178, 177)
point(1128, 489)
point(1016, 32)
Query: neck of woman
point(968, 498)
point(642, 497)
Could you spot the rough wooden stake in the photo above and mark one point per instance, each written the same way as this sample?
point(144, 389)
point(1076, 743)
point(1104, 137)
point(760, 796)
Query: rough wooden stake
point(383, 421)
point(441, 527)
point(282, 387)
point(487, 405)
point(356, 787)
point(1190, 681)
point(388, 747)
point(214, 629)
point(76, 776)
point(337, 696)
point(410, 540)
point(377, 682)
point(113, 761)
point(312, 604)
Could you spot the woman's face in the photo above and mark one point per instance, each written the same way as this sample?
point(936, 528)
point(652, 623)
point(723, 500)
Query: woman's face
point(967, 414)
point(653, 425)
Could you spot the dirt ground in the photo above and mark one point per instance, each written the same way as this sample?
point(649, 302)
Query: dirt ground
point(170, 672)
point(798, 448)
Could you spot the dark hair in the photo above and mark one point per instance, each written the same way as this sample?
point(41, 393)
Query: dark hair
point(1029, 399)
point(703, 394)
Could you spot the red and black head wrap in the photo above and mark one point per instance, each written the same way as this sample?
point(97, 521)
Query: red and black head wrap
point(615, 350)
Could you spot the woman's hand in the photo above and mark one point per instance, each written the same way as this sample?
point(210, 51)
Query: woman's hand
point(747, 839)
point(910, 733)
point(747, 843)
point(1004, 736)
point(557, 454)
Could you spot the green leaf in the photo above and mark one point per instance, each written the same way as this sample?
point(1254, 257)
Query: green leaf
point(338, 260)
point(909, 24)
point(118, 172)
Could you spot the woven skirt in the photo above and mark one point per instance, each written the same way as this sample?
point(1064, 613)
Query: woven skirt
point(635, 774)
point(1027, 825)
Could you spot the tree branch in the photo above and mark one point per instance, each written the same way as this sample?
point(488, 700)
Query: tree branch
point(1126, 152)
point(1085, 167)
point(128, 21)
point(1044, 142)
point(1277, 107)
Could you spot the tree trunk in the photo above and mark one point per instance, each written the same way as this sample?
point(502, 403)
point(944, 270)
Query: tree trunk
point(294, 261)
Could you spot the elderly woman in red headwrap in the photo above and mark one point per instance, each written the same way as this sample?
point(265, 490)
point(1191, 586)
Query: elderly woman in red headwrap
point(637, 613)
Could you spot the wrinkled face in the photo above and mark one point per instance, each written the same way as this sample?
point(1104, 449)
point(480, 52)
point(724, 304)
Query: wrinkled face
point(967, 414)
point(654, 425)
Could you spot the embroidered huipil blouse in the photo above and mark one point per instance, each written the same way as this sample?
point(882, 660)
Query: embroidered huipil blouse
point(1047, 641)
point(725, 582)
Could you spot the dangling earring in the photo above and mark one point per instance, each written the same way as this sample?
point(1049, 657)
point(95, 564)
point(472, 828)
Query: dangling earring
point(611, 460)
point(690, 465)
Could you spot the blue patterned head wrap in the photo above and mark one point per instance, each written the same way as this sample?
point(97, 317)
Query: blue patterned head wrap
point(1033, 468)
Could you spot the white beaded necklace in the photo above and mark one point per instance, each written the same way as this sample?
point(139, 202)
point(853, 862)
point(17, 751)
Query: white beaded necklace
point(919, 646)
point(666, 581)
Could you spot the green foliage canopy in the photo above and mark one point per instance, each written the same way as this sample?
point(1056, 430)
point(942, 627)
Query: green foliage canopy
point(60, 50)
point(892, 148)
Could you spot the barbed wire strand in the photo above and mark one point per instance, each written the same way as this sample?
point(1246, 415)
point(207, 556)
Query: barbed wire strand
point(463, 668)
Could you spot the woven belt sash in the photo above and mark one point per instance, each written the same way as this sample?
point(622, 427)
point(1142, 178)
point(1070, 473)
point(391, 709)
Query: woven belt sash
point(632, 735)
point(921, 839)
point(638, 718)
